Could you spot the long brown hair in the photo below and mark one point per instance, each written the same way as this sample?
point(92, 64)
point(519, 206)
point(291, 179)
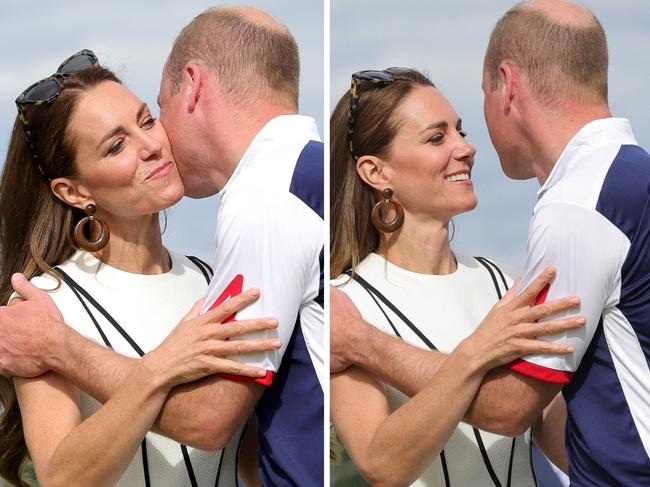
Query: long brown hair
point(352, 235)
point(35, 226)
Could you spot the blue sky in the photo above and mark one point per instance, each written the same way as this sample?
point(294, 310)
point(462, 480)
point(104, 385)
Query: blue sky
point(447, 40)
point(133, 38)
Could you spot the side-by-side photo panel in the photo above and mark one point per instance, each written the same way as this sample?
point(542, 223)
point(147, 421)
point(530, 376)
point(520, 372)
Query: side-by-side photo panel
point(490, 300)
point(147, 339)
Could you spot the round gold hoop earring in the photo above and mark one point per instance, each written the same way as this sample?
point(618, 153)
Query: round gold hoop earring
point(80, 235)
point(383, 206)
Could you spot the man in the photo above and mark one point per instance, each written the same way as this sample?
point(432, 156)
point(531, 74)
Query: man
point(228, 99)
point(545, 86)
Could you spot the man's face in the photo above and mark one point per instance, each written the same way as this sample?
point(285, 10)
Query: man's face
point(175, 118)
point(500, 128)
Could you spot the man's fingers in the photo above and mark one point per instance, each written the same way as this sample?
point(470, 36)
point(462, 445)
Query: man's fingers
point(15, 301)
point(231, 306)
point(528, 295)
point(341, 304)
point(238, 328)
point(27, 290)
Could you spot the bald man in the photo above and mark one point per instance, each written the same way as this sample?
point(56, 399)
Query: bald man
point(229, 99)
point(545, 86)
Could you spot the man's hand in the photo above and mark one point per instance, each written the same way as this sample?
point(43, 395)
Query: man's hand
point(346, 326)
point(32, 332)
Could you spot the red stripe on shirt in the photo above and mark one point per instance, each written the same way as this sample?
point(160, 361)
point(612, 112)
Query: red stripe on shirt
point(267, 380)
point(232, 289)
point(539, 372)
point(541, 297)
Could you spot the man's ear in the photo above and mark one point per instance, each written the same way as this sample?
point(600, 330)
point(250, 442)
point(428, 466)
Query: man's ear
point(71, 192)
point(510, 79)
point(193, 84)
point(374, 172)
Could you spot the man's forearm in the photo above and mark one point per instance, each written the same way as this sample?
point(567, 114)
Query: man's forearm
point(206, 413)
point(506, 403)
point(203, 414)
point(93, 368)
point(395, 362)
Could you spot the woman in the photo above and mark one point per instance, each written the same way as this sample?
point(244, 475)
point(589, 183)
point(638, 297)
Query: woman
point(400, 171)
point(88, 169)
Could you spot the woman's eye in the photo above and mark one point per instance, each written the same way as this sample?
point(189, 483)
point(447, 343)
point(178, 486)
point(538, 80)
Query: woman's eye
point(116, 147)
point(436, 138)
point(462, 133)
point(148, 122)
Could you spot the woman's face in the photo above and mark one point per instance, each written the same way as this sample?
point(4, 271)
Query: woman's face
point(124, 160)
point(429, 161)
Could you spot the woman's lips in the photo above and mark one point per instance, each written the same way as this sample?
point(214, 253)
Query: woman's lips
point(160, 171)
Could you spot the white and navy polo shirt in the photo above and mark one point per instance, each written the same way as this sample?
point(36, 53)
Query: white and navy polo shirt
point(270, 235)
point(592, 221)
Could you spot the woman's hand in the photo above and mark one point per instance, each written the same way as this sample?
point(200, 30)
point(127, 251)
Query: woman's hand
point(198, 344)
point(511, 328)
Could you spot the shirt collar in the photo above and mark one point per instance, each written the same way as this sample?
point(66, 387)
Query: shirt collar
point(277, 131)
point(595, 133)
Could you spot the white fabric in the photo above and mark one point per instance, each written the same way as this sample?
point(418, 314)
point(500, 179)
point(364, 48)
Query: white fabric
point(567, 231)
point(270, 237)
point(148, 307)
point(446, 309)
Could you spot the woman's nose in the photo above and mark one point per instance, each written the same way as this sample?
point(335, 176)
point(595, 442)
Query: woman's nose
point(463, 150)
point(150, 147)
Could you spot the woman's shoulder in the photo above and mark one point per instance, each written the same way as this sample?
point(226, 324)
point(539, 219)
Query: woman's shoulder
point(484, 264)
point(191, 267)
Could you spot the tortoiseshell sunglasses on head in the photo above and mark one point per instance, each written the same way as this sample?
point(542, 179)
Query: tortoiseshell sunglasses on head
point(47, 90)
point(376, 77)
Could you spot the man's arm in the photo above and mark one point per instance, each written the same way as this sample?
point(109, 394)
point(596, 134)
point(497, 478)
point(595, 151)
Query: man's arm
point(45, 342)
point(510, 325)
point(508, 401)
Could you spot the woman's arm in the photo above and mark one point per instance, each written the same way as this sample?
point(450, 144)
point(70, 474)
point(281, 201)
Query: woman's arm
point(394, 449)
point(97, 451)
point(67, 451)
point(548, 433)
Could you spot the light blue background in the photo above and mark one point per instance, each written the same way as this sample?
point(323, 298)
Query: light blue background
point(133, 38)
point(447, 40)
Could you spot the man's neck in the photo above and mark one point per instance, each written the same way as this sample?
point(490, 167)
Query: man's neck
point(551, 132)
point(238, 137)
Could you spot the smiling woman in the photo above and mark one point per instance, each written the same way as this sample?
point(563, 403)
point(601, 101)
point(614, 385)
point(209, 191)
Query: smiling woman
point(399, 139)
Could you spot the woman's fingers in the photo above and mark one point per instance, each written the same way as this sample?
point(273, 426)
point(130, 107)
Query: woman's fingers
point(230, 307)
point(237, 328)
point(221, 348)
point(547, 309)
point(196, 309)
point(528, 295)
point(534, 347)
point(225, 366)
point(511, 294)
point(551, 327)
